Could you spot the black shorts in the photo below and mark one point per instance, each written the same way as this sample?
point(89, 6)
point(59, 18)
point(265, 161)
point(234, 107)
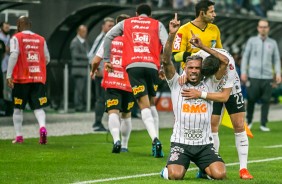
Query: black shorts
point(234, 104)
point(144, 81)
point(119, 99)
point(201, 155)
point(32, 93)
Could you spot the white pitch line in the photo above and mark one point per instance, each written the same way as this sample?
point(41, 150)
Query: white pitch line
point(274, 146)
point(153, 174)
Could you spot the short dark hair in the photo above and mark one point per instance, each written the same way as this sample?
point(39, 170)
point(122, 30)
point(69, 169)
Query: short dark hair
point(203, 5)
point(121, 17)
point(144, 9)
point(2, 23)
point(210, 66)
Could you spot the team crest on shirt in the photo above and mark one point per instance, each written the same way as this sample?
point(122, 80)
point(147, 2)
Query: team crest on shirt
point(174, 156)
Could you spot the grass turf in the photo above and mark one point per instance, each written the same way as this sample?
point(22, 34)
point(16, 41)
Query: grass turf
point(77, 158)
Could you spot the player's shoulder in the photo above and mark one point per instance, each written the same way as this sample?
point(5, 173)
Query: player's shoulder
point(213, 26)
point(186, 26)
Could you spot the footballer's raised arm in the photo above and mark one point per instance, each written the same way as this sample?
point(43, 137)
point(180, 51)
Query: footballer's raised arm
point(168, 66)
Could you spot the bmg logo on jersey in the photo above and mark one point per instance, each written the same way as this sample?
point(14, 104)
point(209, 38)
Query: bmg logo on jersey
point(193, 108)
point(141, 37)
point(32, 56)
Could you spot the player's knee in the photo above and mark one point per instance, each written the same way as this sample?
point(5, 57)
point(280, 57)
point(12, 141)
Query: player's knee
point(175, 175)
point(219, 174)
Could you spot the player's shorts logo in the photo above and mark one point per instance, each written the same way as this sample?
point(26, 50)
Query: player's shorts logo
point(18, 101)
point(112, 102)
point(138, 89)
point(174, 156)
point(130, 105)
point(42, 100)
point(156, 87)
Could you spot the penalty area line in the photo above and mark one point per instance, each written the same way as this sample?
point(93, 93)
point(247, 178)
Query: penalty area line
point(153, 174)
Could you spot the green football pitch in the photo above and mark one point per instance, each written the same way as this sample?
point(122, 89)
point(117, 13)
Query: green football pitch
point(88, 159)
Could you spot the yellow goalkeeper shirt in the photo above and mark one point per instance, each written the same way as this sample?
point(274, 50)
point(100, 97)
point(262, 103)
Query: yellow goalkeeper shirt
point(210, 37)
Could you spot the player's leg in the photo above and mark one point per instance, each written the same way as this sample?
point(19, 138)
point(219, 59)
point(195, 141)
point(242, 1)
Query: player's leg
point(253, 94)
point(113, 106)
point(216, 170)
point(236, 109)
point(99, 105)
point(138, 80)
point(126, 125)
point(177, 164)
point(215, 120)
point(37, 101)
point(20, 98)
point(140, 92)
point(265, 100)
point(155, 114)
point(208, 160)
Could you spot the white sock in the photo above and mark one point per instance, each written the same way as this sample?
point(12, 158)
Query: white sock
point(41, 117)
point(216, 141)
point(125, 131)
point(242, 145)
point(18, 121)
point(164, 173)
point(114, 126)
point(156, 118)
point(147, 117)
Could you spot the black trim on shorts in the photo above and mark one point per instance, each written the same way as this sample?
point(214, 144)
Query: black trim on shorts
point(234, 104)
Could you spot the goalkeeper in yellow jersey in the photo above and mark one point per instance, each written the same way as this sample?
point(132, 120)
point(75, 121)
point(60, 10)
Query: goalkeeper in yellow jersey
point(202, 27)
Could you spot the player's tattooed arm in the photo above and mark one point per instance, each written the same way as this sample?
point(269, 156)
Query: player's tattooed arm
point(168, 66)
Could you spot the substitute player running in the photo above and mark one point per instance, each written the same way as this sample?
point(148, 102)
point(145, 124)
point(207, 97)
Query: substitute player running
point(119, 97)
point(191, 139)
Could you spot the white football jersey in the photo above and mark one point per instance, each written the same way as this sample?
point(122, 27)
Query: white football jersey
point(231, 78)
point(192, 124)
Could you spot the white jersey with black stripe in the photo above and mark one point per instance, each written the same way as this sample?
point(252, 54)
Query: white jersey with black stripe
point(192, 124)
point(231, 78)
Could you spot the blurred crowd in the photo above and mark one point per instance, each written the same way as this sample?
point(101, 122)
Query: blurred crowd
point(256, 7)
